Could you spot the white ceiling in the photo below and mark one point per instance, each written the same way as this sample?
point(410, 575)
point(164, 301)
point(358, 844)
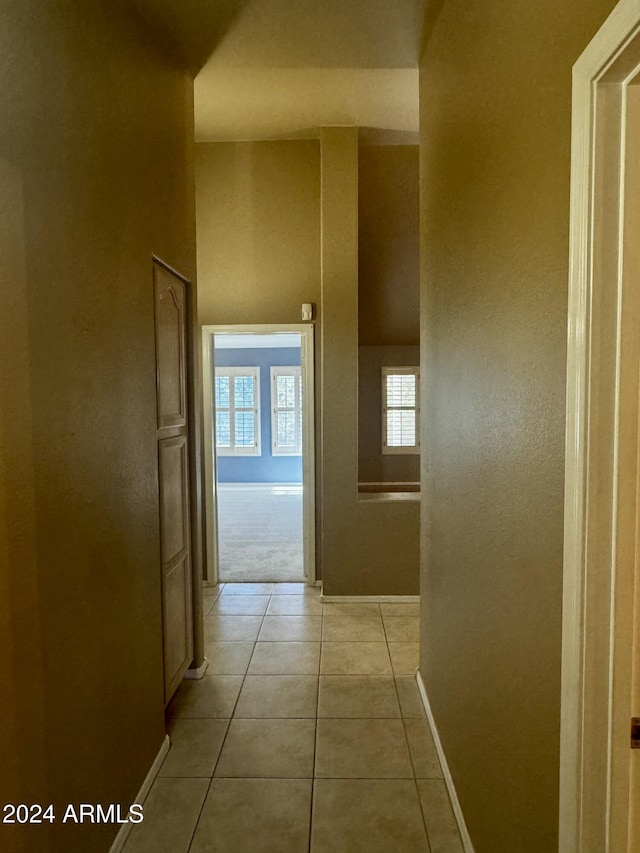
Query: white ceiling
point(230, 341)
point(283, 68)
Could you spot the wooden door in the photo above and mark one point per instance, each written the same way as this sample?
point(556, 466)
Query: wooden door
point(173, 473)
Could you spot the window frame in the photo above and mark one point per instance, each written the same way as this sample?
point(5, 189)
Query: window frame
point(406, 450)
point(232, 372)
point(287, 370)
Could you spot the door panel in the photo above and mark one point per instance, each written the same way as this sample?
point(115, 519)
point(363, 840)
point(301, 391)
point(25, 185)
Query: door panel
point(171, 351)
point(176, 610)
point(174, 496)
point(173, 475)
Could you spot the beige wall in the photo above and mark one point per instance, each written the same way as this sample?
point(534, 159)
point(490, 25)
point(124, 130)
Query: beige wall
point(495, 117)
point(388, 293)
point(96, 175)
point(388, 247)
point(258, 208)
point(368, 548)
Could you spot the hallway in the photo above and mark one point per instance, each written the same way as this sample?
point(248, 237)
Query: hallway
point(307, 733)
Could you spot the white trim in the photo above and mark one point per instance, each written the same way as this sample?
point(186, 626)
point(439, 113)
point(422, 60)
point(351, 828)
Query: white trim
point(260, 485)
point(306, 333)
point(123, 833)
point(209, 498)
point(199, 671)
point(596, 646)
point(233, 450)
point(365, 599)
point(467, 845)
point(403, 450)
point(277, 370)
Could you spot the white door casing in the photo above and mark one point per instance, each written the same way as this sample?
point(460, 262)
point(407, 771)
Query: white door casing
point(306, 332)
point(599, 665)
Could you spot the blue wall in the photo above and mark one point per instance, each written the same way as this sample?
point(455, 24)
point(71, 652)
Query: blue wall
point(265, 468)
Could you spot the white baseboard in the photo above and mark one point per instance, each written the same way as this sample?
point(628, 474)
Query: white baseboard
point(448, 779)
point(258, 485)
point(199, 671)
point(141, 796)
point(364, 599)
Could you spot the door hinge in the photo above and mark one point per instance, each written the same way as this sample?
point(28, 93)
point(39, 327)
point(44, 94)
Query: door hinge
point(635, 732)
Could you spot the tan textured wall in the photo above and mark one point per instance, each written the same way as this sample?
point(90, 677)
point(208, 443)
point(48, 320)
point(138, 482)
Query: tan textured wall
point(258, 206)
point(368, 548)
point(388, 293)
point(96, 175)
point(495, 116)
point(388, 248)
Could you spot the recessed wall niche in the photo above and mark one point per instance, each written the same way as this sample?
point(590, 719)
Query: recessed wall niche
point(388, 302)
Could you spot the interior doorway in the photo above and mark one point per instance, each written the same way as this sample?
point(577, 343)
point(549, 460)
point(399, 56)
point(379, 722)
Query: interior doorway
point(259, 453)
point(599, 766)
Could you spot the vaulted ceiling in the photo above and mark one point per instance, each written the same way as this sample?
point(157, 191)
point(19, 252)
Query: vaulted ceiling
point(283, 68)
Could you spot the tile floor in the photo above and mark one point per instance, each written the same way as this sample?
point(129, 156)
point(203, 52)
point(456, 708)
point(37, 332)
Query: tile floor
point(306, 734)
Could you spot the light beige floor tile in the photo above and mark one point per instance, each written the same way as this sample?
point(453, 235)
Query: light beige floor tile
point(209, 596)
point(285, 659)
point(357, 696)
point(362, 749)
point(296, 589)
point(212, 591)
point(299, 628)
point(405, 657)
point(277, 696)
point(213, 697)
point(255, 816)
point(367, 816)
point(409, 696)
point(268, 748)
point(348, 608)
point(356, 629)
point(294, 605)
point(423, 750)
point(228, 658)
point(170, 814)
point(400, 608)
point(248, 605)
point(354, 659)
point(402, 629)
point(248, 589)
point(231, 628)
point(438, 816)
point(195, 746)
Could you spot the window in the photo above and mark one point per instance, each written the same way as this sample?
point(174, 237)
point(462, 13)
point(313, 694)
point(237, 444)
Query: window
point(286, 411)
point(400, 410)
point(237, 396)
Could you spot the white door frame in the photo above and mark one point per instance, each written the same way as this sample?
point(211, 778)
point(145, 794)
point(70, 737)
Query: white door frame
point(306, 332)
point(601, 483)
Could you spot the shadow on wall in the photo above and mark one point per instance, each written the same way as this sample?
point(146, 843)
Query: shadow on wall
point(192, 28)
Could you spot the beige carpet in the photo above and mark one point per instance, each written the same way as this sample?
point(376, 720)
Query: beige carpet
point(260, 533)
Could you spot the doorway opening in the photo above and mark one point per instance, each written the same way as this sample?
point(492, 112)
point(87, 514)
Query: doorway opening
point(259, 453)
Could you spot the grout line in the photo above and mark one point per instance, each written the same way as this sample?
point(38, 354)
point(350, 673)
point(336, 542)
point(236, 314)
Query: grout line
point(226, 734)
point(315, 739)
point(195, 826)
point(406, 737)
